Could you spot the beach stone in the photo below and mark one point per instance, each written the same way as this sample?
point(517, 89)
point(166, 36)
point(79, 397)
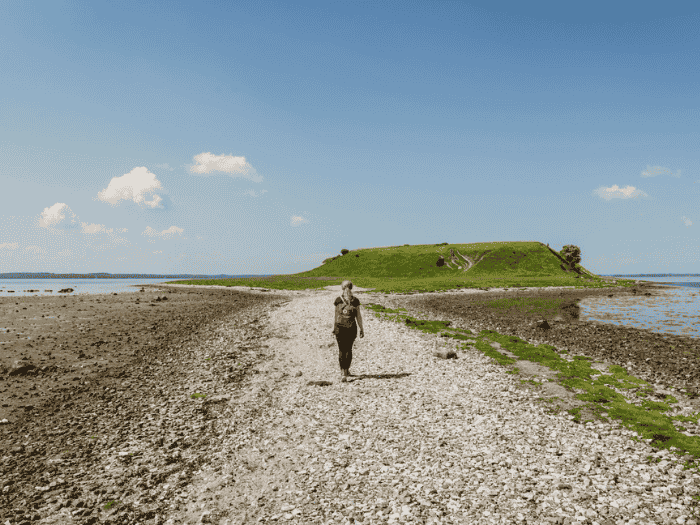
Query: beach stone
point(66, 290)
point(21, 368)
point(543, 324)
point(445, 354)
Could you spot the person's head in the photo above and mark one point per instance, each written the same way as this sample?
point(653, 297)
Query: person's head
point(346, 287)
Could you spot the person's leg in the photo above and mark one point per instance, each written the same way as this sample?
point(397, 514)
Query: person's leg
point(342, 352)
point(351, 340)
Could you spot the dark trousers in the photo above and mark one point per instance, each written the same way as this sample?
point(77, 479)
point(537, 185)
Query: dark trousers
point(345, 337)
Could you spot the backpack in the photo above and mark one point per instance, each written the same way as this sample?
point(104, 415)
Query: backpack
point(345, 314)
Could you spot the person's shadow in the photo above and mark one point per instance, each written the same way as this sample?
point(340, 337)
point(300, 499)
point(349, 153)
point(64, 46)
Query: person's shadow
point(360, 377)
point(378, 376)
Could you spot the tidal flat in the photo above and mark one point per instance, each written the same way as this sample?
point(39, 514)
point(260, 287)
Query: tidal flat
point(661, 358)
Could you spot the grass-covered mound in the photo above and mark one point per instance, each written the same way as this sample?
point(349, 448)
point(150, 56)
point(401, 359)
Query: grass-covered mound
point(435, 267)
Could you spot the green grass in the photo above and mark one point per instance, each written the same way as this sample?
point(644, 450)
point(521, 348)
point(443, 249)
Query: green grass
point(197, 395)
point(607, 396)
point(109, 505)
point(413, 269)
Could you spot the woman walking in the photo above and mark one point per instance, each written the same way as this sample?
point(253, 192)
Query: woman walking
point(347, 317)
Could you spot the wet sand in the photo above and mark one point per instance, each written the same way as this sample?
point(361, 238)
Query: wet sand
point(49, 343)
point(80, 379)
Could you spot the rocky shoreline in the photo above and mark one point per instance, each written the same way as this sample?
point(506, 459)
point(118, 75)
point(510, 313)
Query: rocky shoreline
point(134, 439)
point(127, 431)
point(668, 359)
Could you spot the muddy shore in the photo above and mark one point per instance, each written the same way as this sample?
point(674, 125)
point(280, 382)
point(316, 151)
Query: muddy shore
point(81, 376)
point(668, 359)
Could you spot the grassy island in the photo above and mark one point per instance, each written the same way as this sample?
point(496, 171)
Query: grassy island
point(435, 268)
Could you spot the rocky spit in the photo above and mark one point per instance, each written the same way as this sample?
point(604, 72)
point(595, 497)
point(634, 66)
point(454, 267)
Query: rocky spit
point(245, 421)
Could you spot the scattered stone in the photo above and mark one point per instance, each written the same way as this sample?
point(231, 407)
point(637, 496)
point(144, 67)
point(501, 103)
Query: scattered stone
point(445, 354)
point(298, 374)
point(21, 368)
point(66, 290)
point(543, 324)
point(223, 398)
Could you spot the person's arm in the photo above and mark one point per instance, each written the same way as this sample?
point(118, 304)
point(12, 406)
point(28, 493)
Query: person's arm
point(359, 318)
point(335, 314)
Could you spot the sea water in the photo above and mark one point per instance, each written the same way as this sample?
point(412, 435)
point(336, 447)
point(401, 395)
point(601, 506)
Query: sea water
point(49, 287)
point(672, 310)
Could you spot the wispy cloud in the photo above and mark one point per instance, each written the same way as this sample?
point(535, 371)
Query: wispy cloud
point(136, 186)
point(253, 194)
point(297, 220)
point(206, 163)
point(687, 221)
point(9, 246)
point(163, 166)
point(59, 216)
point(614, 192)
point(165, 234)
point(653, 171)
point(34, 249)
point(100, 228)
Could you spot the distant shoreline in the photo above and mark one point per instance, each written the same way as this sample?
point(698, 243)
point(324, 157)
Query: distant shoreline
point(117, 276)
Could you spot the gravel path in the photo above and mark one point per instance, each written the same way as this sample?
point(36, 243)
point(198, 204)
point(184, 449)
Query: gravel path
point(412, 439)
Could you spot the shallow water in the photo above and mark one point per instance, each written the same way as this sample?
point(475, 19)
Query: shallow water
point(671, 310)
point(50, 287)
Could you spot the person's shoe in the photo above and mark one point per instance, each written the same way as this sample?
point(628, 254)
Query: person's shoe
point(348, 374)
point(343, 379)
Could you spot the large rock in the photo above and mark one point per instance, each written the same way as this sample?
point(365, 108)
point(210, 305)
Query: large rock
point(445, 354)
point(66, 290)
point(543, 324)
point(441, 261)
point(21, 368)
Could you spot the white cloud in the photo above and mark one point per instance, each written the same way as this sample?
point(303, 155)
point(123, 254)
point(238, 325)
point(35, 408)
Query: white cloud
point(165, 234)
point(296, 221)
point(95, 228)
point(630, 192)
point(687, 221)
point(158, 251)
point(134, 186)
point(58, 216)
point(653, 171)
point(253, 194)
point(205, 163)
point(34, 249)
point(164, 166)
point(9, 245)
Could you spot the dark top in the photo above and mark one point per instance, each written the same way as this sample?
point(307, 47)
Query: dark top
point(345, 314)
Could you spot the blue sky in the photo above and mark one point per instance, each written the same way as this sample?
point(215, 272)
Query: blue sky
point(262, 137)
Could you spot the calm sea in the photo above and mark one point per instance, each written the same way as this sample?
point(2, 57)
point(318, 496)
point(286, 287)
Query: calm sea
point(80, 286)
point(675, 310)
